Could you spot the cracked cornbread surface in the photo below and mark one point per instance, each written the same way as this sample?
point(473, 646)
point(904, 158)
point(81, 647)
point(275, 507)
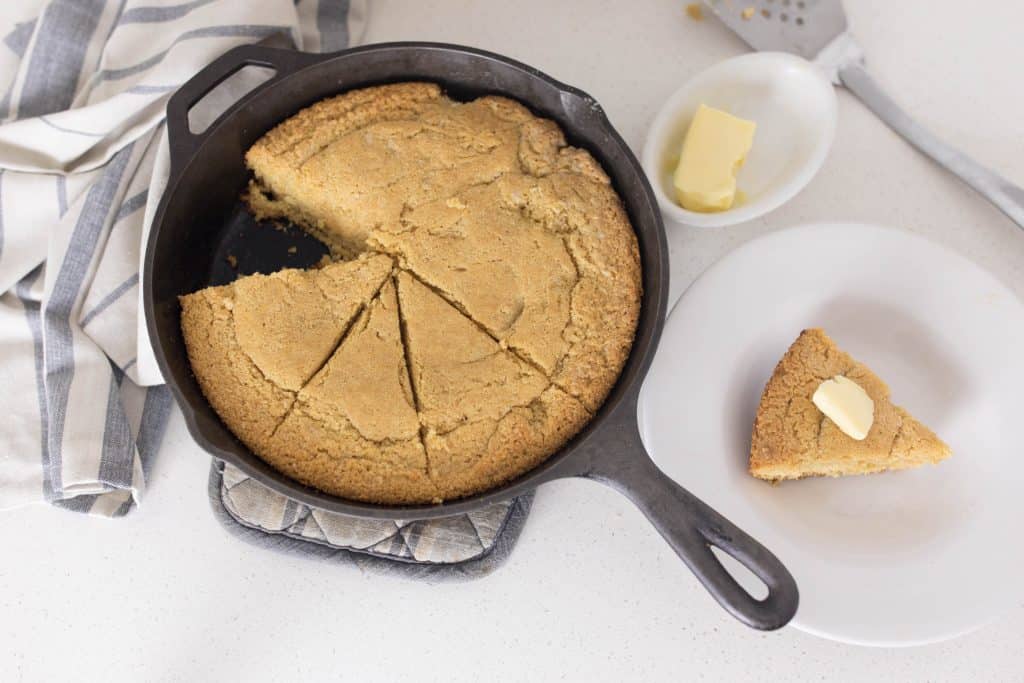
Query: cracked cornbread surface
point(793, 439)
point(507, 319)
point(353, 430)
point(253, 343)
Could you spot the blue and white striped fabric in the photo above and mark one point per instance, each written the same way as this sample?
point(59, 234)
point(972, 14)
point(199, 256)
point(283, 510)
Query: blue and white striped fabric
point(83, 86)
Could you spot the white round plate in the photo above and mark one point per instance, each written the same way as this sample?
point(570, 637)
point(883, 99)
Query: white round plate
point(794, 107)
point(899, 558)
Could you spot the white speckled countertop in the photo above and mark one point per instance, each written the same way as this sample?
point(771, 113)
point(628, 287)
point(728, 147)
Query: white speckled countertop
point(184, 601)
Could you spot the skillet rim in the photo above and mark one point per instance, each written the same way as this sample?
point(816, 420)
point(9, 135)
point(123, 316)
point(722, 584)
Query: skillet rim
point(572, 459)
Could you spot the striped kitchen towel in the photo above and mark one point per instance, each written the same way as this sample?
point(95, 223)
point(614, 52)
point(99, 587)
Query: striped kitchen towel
point(83, 159)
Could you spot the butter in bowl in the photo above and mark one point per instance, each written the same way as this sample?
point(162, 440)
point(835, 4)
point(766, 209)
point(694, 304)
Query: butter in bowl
point(714, 149)
point(740, 139)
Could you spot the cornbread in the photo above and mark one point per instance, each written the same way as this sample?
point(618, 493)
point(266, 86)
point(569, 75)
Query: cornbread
point(359, 160)
point(487, 415)
point(252, 344)
point(353, 430)
point(501, 320)
point(793, 439)
point(498, 250)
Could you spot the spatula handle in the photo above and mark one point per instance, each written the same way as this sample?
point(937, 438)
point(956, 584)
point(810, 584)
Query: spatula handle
point(1009, 198)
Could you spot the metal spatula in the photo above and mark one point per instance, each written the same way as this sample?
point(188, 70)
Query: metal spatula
point(816, 30)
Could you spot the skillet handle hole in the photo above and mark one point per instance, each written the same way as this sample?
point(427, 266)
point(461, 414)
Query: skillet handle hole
point(214, 103)
point(749, 581)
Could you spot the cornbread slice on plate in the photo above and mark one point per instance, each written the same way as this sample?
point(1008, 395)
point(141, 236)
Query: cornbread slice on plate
point(353, 430)
point(793, 439)
point(253, 343)
point(488, 415)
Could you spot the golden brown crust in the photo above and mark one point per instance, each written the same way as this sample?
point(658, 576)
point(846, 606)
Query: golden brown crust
point(459, 373)
point(249, 404)
point(487, 453)
point(605, 301)
point(543, 257)
point(793, 439)
point(366, 381)
point(290, 322)
point(518, 300)
point(297, 138)
point(223, 326)
point(333, 457)
point(356, 161)
point(354, 431)
point(487, 415)
point(505, 271)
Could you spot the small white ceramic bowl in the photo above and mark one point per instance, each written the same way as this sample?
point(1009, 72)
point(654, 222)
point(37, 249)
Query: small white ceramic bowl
point(794, 106)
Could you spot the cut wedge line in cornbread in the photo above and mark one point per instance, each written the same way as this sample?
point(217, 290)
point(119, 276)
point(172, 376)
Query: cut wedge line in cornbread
point(488, 416)
point(793, 439)
point(354, 431)
point(254, 343)
point(460, 373)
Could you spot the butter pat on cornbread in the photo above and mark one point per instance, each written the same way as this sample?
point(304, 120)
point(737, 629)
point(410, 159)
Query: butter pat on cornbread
point(847, 404)
point(715, 147)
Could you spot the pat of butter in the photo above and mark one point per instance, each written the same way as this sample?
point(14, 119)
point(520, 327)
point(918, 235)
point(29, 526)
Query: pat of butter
point(715, 147)
point(847, 404)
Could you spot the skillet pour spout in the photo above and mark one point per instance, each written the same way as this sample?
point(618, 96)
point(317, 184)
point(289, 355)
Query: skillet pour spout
point(200, 218)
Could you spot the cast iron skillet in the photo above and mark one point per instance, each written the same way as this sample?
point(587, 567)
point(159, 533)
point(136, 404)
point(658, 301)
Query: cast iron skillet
point(200, 221)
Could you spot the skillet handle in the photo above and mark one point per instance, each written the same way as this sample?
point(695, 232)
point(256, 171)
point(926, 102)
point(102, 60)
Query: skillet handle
point(692, 527)
point(182, 141)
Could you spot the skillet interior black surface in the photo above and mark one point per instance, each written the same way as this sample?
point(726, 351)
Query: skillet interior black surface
point(200, 223)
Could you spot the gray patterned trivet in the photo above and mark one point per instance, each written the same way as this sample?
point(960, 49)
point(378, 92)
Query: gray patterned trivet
point(457, 548)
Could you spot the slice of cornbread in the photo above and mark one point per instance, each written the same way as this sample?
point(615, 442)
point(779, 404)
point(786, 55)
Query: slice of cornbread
point(353, 430)
point(793, 439)
point(254, 343)
point(488, 416)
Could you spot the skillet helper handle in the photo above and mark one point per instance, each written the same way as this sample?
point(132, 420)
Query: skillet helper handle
point(692, 527)
point(182, 141)
point(1006, 196)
